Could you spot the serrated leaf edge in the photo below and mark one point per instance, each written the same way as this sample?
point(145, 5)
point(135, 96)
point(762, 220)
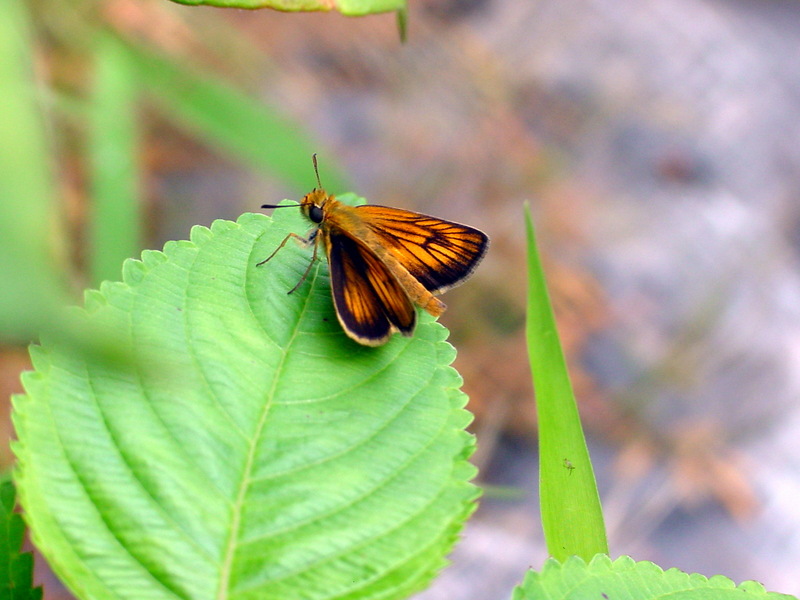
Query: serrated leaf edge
point(602, 563)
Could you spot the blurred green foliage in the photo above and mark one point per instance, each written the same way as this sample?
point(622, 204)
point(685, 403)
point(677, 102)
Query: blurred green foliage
point(30, 253)
point(104, 110)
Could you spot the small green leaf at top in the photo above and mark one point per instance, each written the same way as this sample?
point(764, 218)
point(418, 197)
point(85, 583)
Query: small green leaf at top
point(250, 450)
point(624, 579)
point(351, 8)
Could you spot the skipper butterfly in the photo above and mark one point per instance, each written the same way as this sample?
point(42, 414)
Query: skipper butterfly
point(385, 261)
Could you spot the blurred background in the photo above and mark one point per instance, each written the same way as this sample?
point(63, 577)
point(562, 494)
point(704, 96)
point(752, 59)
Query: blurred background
point(656, 140)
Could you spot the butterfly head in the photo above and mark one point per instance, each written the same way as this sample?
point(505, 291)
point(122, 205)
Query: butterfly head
point(313, 205)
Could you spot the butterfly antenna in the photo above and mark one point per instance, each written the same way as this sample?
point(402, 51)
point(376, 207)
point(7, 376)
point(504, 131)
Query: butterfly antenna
point(316, 170)
point(280, 205)
point(319, 183)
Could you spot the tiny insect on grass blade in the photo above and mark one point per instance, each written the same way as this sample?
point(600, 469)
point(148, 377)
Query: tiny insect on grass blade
point(385, 261)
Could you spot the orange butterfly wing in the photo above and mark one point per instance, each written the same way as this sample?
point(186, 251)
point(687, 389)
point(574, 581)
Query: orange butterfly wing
point(439, 254)
point(370, 303)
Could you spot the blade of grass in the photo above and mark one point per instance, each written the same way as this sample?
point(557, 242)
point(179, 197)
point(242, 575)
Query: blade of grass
point(116, 223)
point(402, 23)
point(570, 506)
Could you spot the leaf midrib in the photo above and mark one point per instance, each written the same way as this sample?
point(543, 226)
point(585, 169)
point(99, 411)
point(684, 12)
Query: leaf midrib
point(398, 525)
point(225, 572)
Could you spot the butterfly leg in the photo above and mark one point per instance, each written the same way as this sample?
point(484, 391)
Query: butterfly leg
point(311, 238)
point(303, 240)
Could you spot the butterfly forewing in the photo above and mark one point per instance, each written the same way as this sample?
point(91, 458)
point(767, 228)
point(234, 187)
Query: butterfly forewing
point(438, 253)
point(369, 301)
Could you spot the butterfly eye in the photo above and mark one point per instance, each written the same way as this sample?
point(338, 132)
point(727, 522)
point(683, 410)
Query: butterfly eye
point(315, 213)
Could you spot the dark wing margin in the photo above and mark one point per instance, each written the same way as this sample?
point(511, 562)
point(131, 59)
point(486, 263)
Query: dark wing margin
point(439, 254)
point(369, 302)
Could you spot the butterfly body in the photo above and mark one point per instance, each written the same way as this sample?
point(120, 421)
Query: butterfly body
point(385, 261)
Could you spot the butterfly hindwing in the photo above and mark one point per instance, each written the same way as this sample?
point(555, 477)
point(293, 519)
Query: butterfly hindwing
point(438, 253)
point(369, 302)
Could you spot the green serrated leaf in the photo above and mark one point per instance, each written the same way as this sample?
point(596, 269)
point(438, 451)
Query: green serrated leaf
point(252, 450)
point(346, 7)
point(16, 568)
point(624, 579)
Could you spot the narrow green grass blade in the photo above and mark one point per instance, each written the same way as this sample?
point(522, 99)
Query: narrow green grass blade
point(351, 8)
point(571, 515)
point(402, 23)
point(244, 127)
point(115, 223)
